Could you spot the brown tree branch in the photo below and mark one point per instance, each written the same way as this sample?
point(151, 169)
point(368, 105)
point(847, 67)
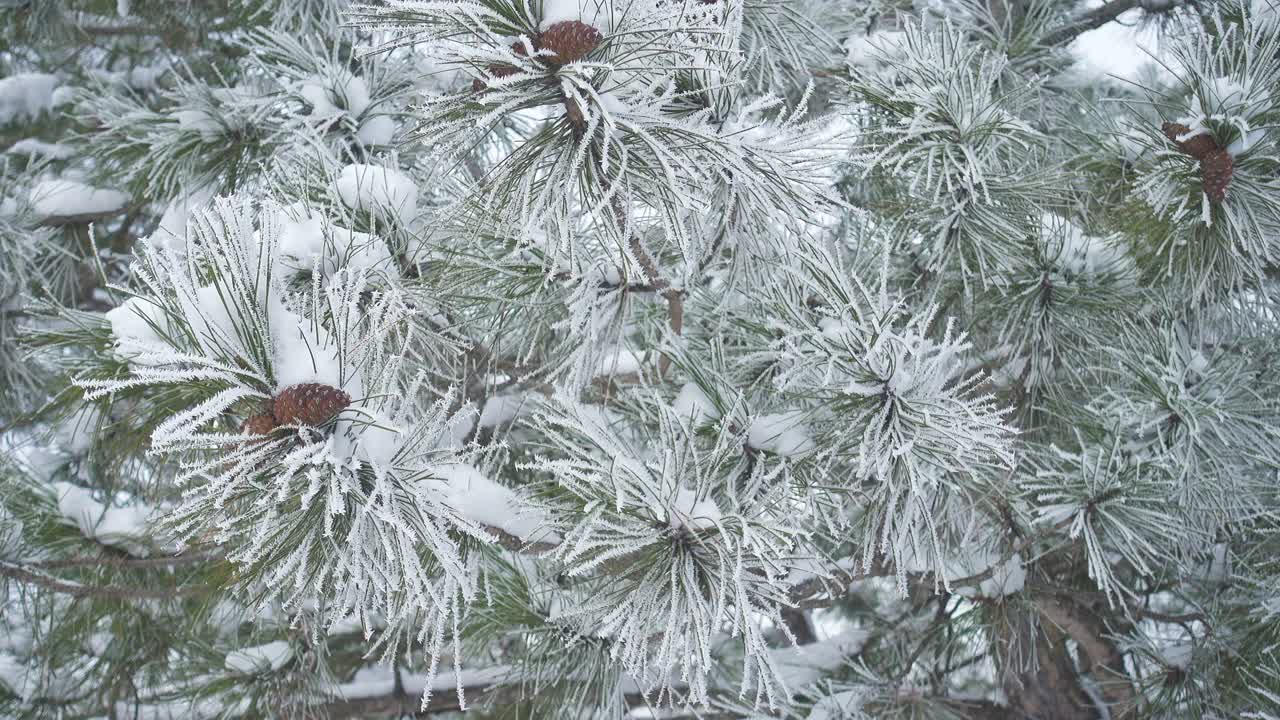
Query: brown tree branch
point(25, 575)
point(1090, 20)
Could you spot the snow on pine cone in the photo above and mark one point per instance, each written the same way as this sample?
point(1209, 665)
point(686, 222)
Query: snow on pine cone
point(310, 404)
point(1197, 147)
point(1216, 170)
point(569, 41)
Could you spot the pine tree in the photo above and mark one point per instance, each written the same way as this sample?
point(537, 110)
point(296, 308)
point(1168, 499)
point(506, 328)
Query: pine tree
point(637, 358)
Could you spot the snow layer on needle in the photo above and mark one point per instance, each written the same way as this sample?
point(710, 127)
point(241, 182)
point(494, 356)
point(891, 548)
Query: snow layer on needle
point(806, 664)
point(174, 228)
point(782, 434)
point(686, 512)
point(69, 198)
point(485, 502)
point(347, 93)
point(260, 658)
point(694, 405)
point(304, 352)
point(373, 188)
point(592, 12)
point(117, 527)
point(377, 130)
point(308, 241)
point(36, 147)
point(26, 96)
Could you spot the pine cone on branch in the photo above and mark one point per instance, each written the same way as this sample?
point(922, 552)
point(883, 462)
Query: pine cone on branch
point(261, 424)
point(311, 404)
point(1216, 170)
point(569, 41)
point(1197, 147)
point(1216, 164)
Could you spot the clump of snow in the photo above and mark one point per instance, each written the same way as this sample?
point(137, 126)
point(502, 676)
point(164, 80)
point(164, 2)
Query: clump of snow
point(844, 704)
point(64, 95)
point(692, 404)
point(620, 362)
point(260, 658)
point(200, 122)
point(378, 681)
point(1246, 141)
point(781, 434)
point(500, 409)
point(303, 352)
point(75, 434)
point(26, 96)
point(686, 511)
point(174, 228)
point(806, 664)
point(136, 325)
point(35, 147)
point(1079, 254)
point(1229, 96)
point(485, 502)
point(51, 199)
point(877, 49)
point(1008, 578)
point(118, 527)
point(595, 13)
point(377, 130)
point(373, 188)
point(347, 93)
point(308, 241)
point(1178, 655)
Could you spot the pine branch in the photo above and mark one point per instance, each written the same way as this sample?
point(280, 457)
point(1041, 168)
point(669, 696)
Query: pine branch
point(1095, 19)
point(846, 579)
point(124, 561)
point(103, 592)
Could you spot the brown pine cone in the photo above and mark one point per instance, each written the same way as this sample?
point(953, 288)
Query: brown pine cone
point(310, 404)
point(261, 424)
point(1216, 170)
point(568, 41)
point(1197, 147)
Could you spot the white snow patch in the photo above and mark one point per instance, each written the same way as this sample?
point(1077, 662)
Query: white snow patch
point(500, 409)
point(26, 96)
point(304, 352)
point(620, 362)
point(806, 664)
point(260, 658)
point(117, 527)
point(1178, 655)
point(174, 228)
point(39, 148)
point(69, 198)
point(782, 434)
point(309, 241)
point(592, 12)
point(136, 325)
point(373, 188)
point(199, 122)
point(483, 501)
point(686, 511)
point(692, 404)
point(377, 130)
